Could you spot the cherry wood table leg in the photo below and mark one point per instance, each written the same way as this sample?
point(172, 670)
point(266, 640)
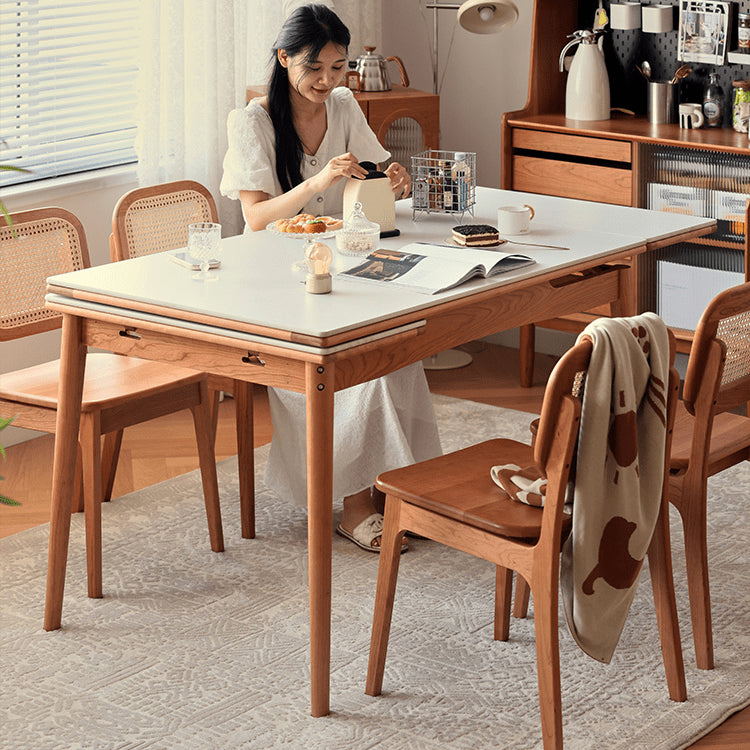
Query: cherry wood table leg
point(319, 384)
point(243, 405)
point(626, 305)
point(526, 352)
point(72, 367)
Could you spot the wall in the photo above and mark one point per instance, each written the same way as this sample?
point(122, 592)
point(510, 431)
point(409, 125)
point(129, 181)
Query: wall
point(482, 76)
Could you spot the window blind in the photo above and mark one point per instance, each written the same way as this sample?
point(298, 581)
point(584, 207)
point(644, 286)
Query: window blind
point(67, 86)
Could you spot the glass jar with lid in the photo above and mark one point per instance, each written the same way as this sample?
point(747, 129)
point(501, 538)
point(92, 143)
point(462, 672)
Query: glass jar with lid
point(741, 105)
point(359, 235)
point(743, 32)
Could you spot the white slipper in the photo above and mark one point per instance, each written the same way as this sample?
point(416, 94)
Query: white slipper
point(366, 531)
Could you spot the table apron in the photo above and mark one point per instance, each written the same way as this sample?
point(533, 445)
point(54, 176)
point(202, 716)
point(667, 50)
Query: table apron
point(506, 309)
point(224, 356)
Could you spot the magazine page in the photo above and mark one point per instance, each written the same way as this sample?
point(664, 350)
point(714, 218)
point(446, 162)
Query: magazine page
point(432, 268)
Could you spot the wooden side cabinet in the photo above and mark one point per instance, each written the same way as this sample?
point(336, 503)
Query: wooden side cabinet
point(612, 161)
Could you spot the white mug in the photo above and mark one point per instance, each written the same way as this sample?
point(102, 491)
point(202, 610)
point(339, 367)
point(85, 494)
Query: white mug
point(514, 219)
point(691, 116)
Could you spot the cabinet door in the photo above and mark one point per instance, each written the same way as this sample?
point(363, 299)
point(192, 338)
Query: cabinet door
point(406, 126)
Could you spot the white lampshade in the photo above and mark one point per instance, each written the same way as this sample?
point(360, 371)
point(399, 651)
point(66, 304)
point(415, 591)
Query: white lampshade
point(483, 17)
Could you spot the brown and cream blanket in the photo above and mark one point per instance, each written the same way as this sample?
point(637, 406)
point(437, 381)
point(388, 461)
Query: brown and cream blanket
point(618, 480)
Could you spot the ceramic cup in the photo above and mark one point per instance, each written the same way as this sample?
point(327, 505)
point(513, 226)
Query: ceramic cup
point(657, 19)
point(691, 116)
point(625, 15)
point(514, 219)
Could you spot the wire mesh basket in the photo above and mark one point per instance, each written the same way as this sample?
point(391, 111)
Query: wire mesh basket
point(443, 181)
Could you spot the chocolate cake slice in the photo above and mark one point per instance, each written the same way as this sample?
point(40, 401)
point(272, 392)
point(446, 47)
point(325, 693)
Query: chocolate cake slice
point(476, 235)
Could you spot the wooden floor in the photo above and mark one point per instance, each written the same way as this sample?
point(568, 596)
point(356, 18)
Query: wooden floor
point(166, 447)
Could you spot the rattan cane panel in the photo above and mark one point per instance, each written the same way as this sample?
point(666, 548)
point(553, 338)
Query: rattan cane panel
point(160, 222)
point(735, 333)
point(40, 249)
point(404, 138)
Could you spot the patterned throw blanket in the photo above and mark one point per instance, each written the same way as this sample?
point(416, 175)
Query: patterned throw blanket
point(619, 475)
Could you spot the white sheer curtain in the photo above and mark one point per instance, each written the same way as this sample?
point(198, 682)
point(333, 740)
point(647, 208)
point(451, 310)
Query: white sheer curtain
point(193, 60)
point(196, 59)
point(363, 18)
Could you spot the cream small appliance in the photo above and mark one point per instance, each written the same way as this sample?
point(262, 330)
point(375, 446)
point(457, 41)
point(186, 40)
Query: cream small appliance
point(587, 90)
point(375, 194)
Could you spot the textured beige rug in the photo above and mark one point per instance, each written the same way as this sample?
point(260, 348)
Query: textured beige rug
point(191, 649)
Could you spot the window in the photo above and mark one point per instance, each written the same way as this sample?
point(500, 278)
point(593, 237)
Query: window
point(67, 86)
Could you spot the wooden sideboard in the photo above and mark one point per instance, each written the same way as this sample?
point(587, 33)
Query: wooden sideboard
point(384, 111)
point(606, 161)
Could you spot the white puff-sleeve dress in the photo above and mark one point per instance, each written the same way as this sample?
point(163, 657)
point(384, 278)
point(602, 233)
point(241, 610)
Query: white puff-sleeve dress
point(379, 425)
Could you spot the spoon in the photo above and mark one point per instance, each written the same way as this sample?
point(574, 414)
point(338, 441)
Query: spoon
point(645, 69)
point(681, 72)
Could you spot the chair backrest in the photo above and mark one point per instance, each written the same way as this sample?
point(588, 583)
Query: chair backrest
point(41, 243)
point(565, 382)
point(718, 372)
point(154, 219)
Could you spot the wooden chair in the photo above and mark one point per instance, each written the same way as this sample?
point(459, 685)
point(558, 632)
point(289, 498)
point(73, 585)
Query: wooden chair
point(155, 219)
point(709, 438)
point(118, 391)
point(453, 500)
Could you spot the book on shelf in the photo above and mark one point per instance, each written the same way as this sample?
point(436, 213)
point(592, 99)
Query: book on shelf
point(430, 269)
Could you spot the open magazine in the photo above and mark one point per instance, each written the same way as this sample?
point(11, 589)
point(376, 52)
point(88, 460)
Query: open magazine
point(433, 268)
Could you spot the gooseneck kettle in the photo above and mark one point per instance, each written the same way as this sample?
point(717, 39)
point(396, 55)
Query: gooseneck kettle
point(587, 90)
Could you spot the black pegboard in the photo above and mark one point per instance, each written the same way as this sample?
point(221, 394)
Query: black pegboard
point(623, 49)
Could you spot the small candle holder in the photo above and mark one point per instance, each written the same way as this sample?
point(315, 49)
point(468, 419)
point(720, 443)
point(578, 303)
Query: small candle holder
point(318, 257)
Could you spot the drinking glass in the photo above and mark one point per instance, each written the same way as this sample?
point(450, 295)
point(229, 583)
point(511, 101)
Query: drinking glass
point(204, 245)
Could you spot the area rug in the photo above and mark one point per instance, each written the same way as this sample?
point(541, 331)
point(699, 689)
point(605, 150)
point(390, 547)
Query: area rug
point(192, 649)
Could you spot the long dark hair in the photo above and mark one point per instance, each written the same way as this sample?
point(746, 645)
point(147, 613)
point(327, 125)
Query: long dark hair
point(307, 30)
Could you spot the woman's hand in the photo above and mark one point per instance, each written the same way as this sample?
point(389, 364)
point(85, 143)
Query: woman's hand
point(345, 165)
point(400, 180)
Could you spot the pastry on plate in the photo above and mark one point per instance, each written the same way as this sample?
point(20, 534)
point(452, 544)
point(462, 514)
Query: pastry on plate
point(476, 235)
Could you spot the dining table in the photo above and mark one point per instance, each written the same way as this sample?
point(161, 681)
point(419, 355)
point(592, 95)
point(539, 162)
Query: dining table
point(255, 322)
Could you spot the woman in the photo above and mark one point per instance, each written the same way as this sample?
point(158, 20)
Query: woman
point(292, 151)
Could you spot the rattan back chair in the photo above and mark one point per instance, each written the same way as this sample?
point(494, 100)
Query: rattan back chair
point(118, 391)
point(712, 433)
point(155, 219)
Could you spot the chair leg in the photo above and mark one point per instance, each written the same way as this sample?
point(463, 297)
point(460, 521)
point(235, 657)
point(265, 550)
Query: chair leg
point(214, 400)
point(662, 583)
point(110, 458)
point(207, 460)
point(526, 352)
point(503, 590)
point(91, 443)
point(548, 663)
point(390, 556)
point(243, 404)
point(521, 598)
point(693, 513)
point(78, 501)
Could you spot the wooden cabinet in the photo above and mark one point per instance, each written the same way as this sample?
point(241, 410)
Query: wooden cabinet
point(609, 161)
point(405, 120)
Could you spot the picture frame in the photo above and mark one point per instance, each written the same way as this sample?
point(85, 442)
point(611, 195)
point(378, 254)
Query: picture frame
point(704, 31)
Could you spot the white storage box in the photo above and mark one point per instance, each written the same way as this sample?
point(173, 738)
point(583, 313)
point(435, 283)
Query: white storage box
point(684, 291)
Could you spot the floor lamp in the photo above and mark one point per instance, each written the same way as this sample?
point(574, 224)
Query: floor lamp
point(478, 17)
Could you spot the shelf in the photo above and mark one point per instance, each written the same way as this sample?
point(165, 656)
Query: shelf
point(728, 244)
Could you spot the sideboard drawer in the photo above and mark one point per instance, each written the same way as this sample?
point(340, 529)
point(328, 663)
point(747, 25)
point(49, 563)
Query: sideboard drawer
point(570, 179)
point(572, 145)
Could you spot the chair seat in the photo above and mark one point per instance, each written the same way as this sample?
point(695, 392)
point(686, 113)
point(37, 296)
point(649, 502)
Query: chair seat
point(459, 486)
point(110, 380)
point(730, 436)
